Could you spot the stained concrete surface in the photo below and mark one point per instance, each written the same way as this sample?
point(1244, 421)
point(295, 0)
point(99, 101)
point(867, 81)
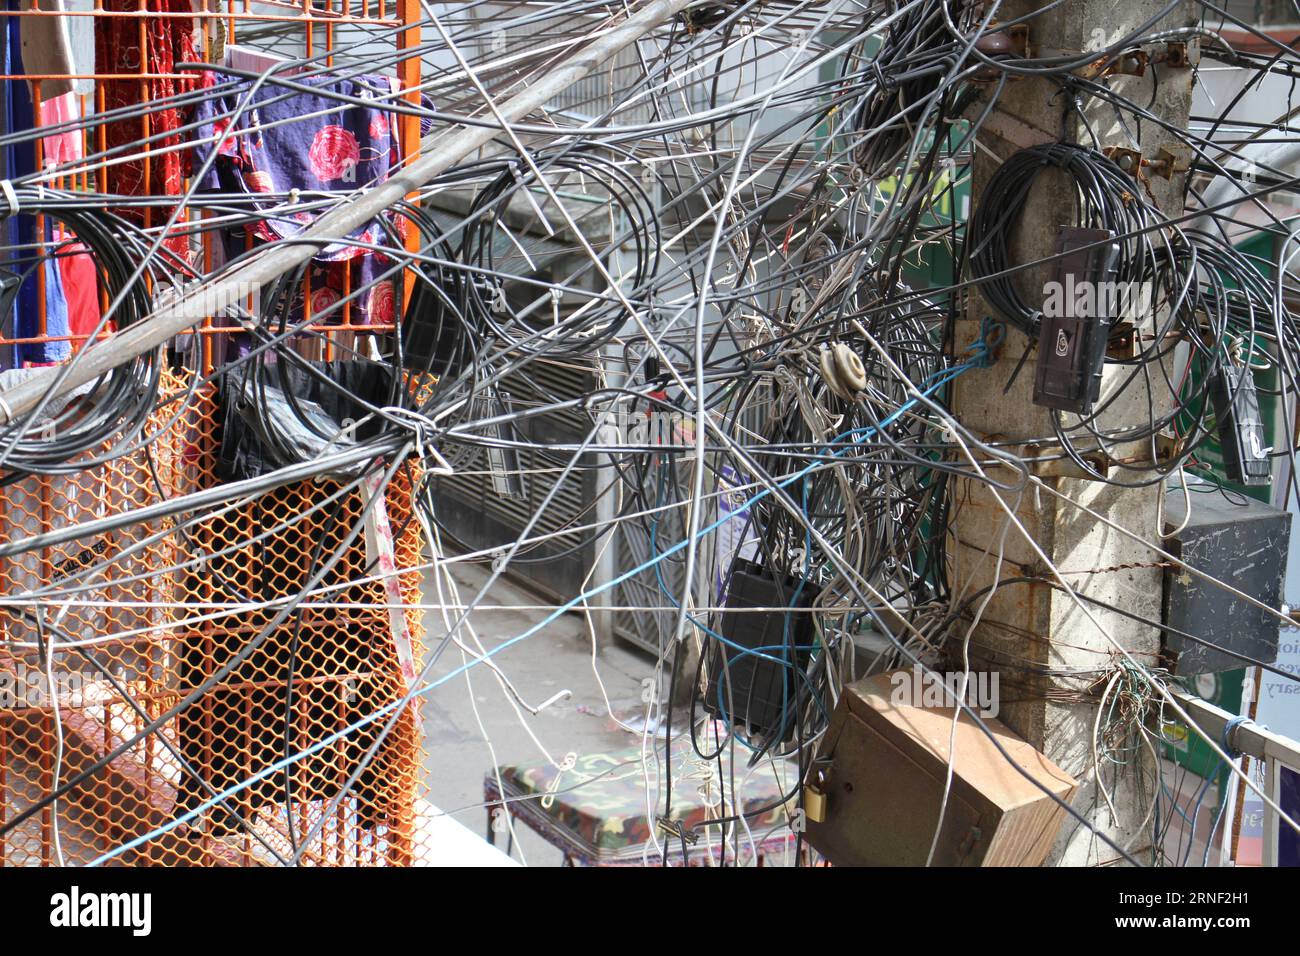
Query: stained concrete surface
point(557, 658)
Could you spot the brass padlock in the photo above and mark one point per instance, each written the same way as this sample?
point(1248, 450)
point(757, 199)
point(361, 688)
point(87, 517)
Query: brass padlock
point(814, 799)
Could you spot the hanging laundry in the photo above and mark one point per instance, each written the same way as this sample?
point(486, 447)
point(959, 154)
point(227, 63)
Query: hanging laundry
point(284, 141)
point(168, 40)
point(38, 308)
point(80, 281)
point(77, 270)
point(47, 48)
point(61, 147)
point(48, 288)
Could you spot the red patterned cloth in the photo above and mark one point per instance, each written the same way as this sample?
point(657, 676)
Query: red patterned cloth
point(168, 40)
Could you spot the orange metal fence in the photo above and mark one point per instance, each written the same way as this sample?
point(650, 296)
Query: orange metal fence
point(170, 603)
point(164, 614)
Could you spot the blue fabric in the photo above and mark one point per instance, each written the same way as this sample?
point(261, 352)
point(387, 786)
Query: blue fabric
point(284, 147)
point(346, 148)
point(23, 320)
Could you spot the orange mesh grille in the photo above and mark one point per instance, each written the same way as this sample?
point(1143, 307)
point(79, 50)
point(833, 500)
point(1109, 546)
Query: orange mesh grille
point(169, 621)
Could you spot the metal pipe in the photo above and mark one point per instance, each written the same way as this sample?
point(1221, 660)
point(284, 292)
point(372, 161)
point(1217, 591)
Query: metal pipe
point(1245, 737)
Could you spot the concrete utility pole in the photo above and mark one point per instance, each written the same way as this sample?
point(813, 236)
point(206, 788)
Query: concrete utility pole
point(1048, 652)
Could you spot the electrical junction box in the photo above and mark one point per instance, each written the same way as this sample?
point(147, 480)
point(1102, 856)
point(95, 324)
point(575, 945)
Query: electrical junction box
point(882, 769)
point(1072, 341)
point(1243, 544)
point(757, 692)
point(1241, 426)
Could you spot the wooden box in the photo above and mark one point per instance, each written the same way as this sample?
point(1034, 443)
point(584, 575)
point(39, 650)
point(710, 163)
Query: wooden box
point(883, 767)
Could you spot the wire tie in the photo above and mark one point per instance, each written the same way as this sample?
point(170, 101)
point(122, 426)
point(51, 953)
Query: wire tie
point(1228, 729)
point(881, 80)
point(11, 197)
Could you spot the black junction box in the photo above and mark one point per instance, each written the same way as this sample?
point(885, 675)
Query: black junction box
point(1241, 426)
point(1072, 346)
point(1242, 544)
point(755, 690)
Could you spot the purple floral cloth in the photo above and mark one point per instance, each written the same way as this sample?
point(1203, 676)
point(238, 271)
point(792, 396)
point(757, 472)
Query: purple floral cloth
point(315, 143)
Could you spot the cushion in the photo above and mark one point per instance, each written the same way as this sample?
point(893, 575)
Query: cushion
point(599, 806)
